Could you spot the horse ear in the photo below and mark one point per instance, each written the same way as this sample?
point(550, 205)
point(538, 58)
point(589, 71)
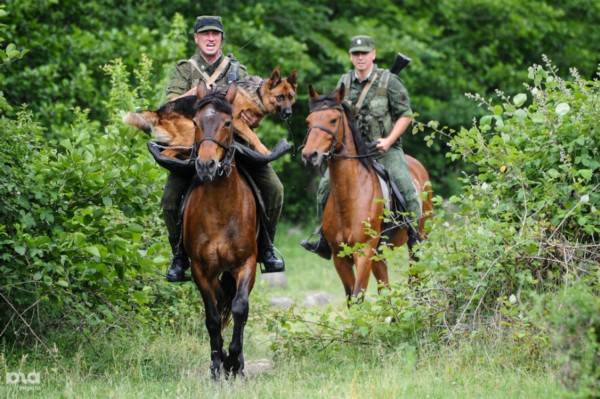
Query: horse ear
point(311, 90)
point(201, 90)
point(231, 92)
point(340, 93)
point(275, 78)
point(293, 79)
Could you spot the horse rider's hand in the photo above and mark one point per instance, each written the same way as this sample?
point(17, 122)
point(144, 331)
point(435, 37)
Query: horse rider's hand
point(382, 145)
point(250, 119)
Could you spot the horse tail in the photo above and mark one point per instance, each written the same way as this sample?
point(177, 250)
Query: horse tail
point(228, 289)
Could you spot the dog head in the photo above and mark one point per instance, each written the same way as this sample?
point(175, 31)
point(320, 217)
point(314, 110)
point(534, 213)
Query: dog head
point(280, 94)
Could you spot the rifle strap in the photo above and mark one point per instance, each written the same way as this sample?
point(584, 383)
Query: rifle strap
point(364, 92)
point(211, 79)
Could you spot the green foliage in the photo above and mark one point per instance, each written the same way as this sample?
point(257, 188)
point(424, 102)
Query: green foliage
point(479, 47)
point(10, 53)
point(394, 318)
point(528, 218)
point(80, 237)
point(572, 320)
point(540, 161)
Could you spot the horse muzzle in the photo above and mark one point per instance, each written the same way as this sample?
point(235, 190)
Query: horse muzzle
point(313, 158)
point(206, 170)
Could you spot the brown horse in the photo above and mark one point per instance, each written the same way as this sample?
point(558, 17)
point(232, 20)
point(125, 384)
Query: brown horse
point(219, 229)
point(355, 197)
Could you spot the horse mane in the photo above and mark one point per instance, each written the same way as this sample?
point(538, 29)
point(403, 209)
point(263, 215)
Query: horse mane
point(217, 99)
point(329, 101)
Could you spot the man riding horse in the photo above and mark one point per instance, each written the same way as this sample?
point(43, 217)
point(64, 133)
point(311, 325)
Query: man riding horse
point(214, 68)
point(382, 111)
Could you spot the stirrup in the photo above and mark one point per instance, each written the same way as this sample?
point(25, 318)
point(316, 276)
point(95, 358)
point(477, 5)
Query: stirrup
point(270, 253)
point(319, 247)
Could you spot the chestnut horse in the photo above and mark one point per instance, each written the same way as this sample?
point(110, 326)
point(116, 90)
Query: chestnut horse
point(354, 201)
point(219, 229)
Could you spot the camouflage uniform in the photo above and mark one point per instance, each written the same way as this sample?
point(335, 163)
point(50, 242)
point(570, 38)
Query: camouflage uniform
point(381, 109)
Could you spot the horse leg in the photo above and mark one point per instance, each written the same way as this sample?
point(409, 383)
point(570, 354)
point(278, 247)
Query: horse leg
point(239, 310)
point(208, 290)
point(363, 273)
point(381, 275)
point(346, 273)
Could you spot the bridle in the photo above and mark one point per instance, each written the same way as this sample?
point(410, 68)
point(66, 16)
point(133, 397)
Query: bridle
point(225, 165)
point(334, 149)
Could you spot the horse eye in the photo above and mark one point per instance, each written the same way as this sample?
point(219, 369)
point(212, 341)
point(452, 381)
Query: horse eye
point(227, 123)
point(333, 121)
point(195, 123)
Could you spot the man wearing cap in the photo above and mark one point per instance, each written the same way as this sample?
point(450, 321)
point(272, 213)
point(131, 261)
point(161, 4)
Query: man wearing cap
point(382, 110)
point(216, 70)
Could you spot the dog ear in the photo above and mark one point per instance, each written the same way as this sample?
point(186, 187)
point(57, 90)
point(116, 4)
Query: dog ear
point(275, 78)
point(311, 90)
point(293, 79)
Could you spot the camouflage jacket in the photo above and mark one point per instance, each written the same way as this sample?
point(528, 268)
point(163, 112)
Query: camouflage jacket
point(385, 103)
point(185, 76)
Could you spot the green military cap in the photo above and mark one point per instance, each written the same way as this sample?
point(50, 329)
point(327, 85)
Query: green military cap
point(208, 22)
point(362, 44)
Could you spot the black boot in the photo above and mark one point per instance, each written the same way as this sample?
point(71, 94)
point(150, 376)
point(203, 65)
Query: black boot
point(180, 262)
point(268, 257)
point(270, 261)
point(320, 247)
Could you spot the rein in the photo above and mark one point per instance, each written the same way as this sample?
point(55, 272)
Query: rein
point(332, 154)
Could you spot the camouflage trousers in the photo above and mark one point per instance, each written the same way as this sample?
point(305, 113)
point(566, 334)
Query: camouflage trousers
point(265, 178)
point(396, 164)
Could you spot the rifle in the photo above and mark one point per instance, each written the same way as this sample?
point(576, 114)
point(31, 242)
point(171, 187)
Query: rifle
point(399, 63)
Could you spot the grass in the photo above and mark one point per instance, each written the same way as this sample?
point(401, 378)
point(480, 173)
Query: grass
point(174, 362)
point(176, 366)
point(308, 273)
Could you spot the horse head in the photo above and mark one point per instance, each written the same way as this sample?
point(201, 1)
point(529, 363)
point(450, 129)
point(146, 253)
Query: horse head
point(213, 137)
point(326, 126)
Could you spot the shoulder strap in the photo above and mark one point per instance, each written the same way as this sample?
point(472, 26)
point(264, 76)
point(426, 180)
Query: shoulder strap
point(211, 79)
point(385, 79)
point(363, 94)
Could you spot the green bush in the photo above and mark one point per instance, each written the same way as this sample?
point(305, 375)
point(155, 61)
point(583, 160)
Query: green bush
point(81, 242)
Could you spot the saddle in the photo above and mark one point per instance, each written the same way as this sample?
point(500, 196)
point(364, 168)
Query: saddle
point(394, 202)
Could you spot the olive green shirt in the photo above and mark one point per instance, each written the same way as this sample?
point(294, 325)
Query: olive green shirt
point(185, 76)
point(382, 107)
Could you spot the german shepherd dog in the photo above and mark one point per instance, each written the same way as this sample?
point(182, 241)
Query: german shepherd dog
point(172, 123)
